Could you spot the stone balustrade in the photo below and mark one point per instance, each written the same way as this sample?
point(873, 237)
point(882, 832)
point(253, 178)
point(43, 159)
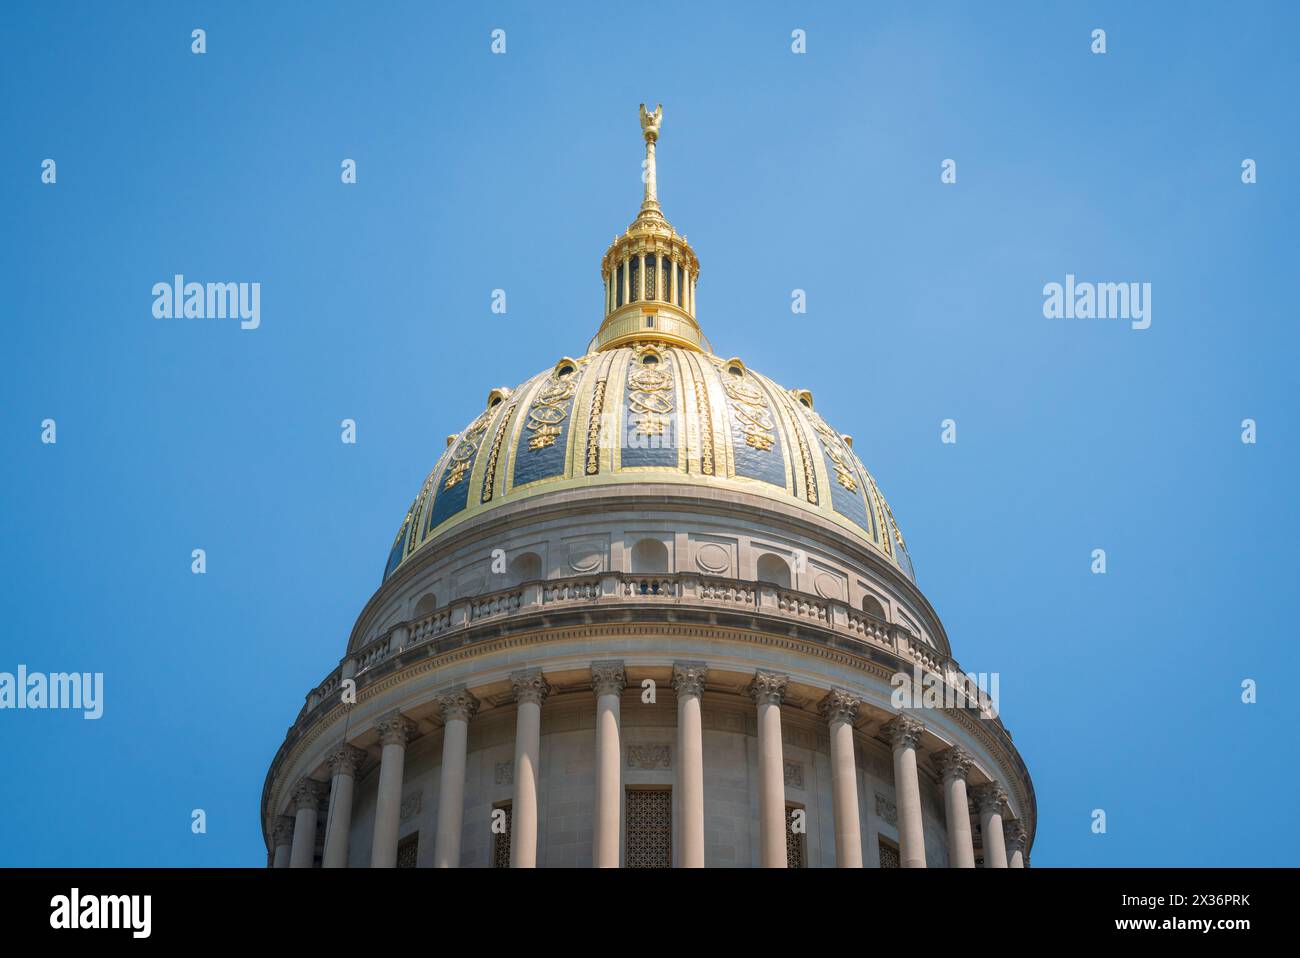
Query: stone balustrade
point(679, 590)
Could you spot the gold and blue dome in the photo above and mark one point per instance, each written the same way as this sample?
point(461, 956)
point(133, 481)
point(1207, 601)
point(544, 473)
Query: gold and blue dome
point(649, 402)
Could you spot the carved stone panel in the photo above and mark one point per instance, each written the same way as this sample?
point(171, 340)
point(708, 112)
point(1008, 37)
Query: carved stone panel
point(411, 806)
point(653, 755)
point(886, 810)
point(794, 775)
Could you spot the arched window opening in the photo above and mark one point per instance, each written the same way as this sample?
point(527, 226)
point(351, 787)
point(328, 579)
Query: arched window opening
point(525, 567)
point(871, 605)
point(649, 555)
point(774, 569)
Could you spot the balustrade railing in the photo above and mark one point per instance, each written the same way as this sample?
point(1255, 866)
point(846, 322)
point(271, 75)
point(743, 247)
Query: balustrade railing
point(614, 587)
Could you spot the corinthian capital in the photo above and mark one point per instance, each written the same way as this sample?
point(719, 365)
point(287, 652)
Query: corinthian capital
point(768, 688)
point(840, 706)
point(395, 729)
point(904, 731)
point(689, 678)
point(307, 793)
point(1013, 832)
point(457, 704)
point(282, 831)
point(608, 678)
point(954, 762)
point(345, 760)
point(989, 797)
point(530, 687)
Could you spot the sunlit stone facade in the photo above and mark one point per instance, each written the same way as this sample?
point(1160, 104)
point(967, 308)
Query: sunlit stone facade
point(646, 611)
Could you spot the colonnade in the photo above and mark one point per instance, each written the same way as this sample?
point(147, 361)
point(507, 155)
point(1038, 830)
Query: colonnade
point(294, 836)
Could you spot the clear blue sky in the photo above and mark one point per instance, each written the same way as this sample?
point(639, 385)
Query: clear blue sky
point(819, 172)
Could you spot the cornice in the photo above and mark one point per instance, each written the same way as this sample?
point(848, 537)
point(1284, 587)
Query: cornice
point(878, 664)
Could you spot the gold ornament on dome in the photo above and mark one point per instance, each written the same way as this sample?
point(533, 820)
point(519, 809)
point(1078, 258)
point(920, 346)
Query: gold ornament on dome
point(593, 427)
point(550, 408)
point(752, 412)
point(650, 391)
point(417, 509)
point(840, 455)
point(490, 473)
point(462, 457)
point(706, 427)
point(881, 523)
point(894, 525)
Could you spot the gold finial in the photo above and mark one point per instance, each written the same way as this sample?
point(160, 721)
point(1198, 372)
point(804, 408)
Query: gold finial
point(650, 130)
point(650, 122)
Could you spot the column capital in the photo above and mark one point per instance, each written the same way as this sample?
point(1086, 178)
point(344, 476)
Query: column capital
point(529, 687)
point(608, 678)
point(457, 703)
point(282, 831)
point(954, 762)
point(989, 797)
point(345, 760)
point(840, 705)
point(689, 678)
point(904, 731)
point(1013, 833)
point(395, 729)
point(768, 688)
point(307, 793)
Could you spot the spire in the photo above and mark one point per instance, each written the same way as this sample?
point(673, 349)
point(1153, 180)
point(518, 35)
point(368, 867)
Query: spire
point(650, 271)
point(650, 130)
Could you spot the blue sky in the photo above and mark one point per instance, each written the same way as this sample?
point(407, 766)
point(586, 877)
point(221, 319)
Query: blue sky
point(817, 171)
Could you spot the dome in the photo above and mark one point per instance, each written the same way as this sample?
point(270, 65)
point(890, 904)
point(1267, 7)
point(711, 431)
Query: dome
point(649, 401)
point(650, 410)
point(648, 605)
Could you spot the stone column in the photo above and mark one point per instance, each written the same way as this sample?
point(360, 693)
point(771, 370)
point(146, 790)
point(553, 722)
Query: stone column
point(306, 803)
point(905, 734)
point(607, 680)
point(955, 764)
point(282, 841)
point(688, 682)
point(458, 707)
point(1014, 833)
point(395, 730)
point(768, 691)
point(530, 692)
point(840, 709)
point(989, 799)
point(344, 762)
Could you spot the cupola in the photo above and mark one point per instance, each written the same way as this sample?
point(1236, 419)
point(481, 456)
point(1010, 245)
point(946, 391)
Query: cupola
point(650, 271)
